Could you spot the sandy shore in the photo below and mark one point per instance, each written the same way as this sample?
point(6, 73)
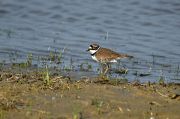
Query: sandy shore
point(28, 96)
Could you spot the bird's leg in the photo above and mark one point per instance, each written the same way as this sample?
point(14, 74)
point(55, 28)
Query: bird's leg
point(106, 70)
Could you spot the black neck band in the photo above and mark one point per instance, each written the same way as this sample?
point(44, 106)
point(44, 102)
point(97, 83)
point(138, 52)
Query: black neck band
point(93, 54)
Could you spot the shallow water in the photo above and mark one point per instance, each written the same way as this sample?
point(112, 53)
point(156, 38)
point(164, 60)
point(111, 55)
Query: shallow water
point(137, 28)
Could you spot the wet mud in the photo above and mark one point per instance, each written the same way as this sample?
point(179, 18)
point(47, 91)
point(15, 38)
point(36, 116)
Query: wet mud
point(29, 95)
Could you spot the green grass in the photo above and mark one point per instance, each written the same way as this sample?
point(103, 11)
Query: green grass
point(116, 66)
point(160, 80)
point(37, 69)
point(43, 76)
point(64, 67)
point(107, 76)
point(125, 72)
point(133, 61)
point(31, 58)
point(177, 68)
point(78, 86)
point(108, 104)
point(49, 115)
point(98, 105)
point(101, 73)
point(159, 77)
point(71, 64)
point(47, 75)
point(9, 32)
point(75, 108)
point(51, 54)
point(4, 61)
point(59, 58)
point(71, 67)
point(2, 115)
point(29, 109)
point(21, 69)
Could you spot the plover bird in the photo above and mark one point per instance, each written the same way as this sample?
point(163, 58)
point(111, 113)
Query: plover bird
point(105, 56)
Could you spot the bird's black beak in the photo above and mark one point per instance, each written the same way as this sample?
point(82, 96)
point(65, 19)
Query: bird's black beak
point(87, 50)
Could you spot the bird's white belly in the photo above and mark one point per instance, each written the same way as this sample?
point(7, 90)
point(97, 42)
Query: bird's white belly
point(104, 61)
point(94, 58)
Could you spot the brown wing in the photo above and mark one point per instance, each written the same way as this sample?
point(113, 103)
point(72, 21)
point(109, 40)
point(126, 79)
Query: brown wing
point(106, 54)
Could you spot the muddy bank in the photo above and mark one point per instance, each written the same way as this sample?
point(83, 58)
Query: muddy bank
point(30, 95)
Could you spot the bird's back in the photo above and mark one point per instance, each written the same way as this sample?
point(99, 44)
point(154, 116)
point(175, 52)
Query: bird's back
point(107, 54)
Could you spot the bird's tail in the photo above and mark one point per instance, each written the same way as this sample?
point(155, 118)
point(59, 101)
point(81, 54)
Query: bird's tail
point(126, 56)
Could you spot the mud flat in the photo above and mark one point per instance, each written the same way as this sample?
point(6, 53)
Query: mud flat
point(29, 96)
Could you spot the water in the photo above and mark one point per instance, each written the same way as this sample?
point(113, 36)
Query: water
point(138, 28)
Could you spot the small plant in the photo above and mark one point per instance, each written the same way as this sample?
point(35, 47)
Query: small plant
point(2, 115)
point(62, 94)
point(29, 109)
point(160, 76)
point(49, 116)
point(71, 67)
point(116, 66)
point(109, 104)
point(19, 82)
point(9, 32)
point(177, 68)
point(55, 55)
point(98, 105)
point(107, 76)
point(78, 86)
point(64, 67)
point(125, 72)
point(47, 75)
point(31, 58)
point(71, 64)
point(59, 58)
point(150, 70)
point(4, 61)
point(36, 69)
point(21, 70)
point(43, 77)
point(51, 54)
point(39, 115)
point(102, 74)
point(161, 72)
point(75, 108)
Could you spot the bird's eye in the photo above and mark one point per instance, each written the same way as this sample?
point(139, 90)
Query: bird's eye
point(94, 48)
